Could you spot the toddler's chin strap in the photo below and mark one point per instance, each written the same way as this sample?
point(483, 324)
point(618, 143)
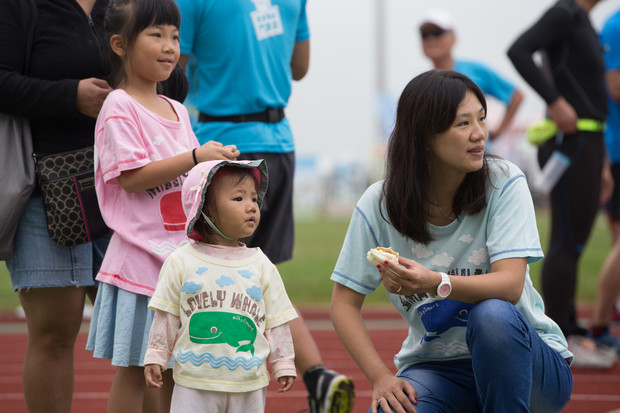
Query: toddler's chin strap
point(212, 225)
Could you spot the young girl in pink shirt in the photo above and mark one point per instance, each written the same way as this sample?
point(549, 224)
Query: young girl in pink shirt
point(144, 148)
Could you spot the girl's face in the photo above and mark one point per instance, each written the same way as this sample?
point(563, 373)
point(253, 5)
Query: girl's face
point(235, 211)
point(460, 149)
point(154, 54)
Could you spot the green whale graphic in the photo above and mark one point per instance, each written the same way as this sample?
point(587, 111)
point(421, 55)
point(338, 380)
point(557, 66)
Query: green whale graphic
point(221, 327)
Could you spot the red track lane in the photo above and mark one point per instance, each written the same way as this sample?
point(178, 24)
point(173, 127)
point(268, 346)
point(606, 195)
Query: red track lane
point(595, 391)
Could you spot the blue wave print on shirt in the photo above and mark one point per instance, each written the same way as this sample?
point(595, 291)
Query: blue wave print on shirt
point(218, 362)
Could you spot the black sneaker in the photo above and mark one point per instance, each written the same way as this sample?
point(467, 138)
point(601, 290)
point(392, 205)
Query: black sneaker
point(333, 393)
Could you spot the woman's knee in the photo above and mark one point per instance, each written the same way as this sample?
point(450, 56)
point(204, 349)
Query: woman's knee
point(492, 320)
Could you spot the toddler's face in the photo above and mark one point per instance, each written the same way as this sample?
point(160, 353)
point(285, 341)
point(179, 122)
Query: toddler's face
point(235, 211)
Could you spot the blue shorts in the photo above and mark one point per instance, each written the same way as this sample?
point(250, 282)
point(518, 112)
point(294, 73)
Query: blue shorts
point(40, 262)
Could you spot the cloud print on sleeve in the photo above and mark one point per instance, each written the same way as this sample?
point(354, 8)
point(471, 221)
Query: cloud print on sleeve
point(190, 287)
point(255, 292)
point(478, 257)
point(224, 281)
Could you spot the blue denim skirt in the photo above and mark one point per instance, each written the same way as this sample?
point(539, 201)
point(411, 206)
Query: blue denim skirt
point(40, 262)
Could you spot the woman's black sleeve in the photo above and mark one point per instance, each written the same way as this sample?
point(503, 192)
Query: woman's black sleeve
point(24, 95)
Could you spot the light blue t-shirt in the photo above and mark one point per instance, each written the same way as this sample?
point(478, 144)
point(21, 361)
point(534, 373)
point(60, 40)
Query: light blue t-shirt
point(506, 228)
point(489, 82)
point(242, 53)
point(610, 39)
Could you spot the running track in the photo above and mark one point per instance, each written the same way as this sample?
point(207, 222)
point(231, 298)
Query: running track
point(594, 392)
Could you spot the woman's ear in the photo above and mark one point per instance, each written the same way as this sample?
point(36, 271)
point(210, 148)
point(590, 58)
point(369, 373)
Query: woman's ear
point(117, 44)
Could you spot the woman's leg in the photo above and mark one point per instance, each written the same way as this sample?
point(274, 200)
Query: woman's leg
point(446, 386)
point(514, 369)
point(53, 317)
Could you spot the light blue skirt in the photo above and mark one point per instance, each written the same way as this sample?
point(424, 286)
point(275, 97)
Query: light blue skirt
point(120, 326)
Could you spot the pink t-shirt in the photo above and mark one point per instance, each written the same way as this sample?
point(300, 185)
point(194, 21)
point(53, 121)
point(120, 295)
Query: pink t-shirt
point(147, 225)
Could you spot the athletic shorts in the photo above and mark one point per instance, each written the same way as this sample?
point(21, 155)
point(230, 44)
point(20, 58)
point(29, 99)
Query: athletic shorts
point(40, 262)
point(275, 232)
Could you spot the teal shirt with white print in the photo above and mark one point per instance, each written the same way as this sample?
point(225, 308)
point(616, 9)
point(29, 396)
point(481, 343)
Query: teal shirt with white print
point(505, 228)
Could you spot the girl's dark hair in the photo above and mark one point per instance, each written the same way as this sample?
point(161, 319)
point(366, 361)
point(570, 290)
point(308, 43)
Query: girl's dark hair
point(201, 226)
point(128, 18)
point(426, 108)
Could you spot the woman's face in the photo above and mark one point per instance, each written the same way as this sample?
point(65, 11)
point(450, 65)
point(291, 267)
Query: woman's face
point(460, 149)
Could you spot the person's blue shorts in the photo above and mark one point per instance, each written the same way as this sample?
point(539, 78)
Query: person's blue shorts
point(40, 262)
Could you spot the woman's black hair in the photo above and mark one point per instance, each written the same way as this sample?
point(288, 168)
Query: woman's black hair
point(427, 107)
point(128, 18)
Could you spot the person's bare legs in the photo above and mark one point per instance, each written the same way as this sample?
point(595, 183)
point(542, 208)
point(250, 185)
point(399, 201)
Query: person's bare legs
point(158, 400)
point(129, 394)
point(328, 391)
point(307, 353)
point(127, 390)
point(53, 317)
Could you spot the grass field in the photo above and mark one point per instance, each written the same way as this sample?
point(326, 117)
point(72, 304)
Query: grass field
point(317, 247)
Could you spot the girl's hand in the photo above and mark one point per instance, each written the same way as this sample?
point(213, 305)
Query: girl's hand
point(152, 375)
point(91, 93)
point(391, 392)
point(212, 150)
point(286, 382)
point(410, 277)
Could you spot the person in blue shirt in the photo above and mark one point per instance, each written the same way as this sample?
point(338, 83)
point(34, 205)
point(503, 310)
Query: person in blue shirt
point(438, 38)
point(242, 56)
point(609, 279)
point(464, 225)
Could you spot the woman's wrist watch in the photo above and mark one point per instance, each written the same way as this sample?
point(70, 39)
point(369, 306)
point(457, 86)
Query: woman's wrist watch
point(445, 287)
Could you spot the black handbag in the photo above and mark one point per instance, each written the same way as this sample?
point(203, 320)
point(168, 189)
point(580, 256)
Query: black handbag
point(67, 182)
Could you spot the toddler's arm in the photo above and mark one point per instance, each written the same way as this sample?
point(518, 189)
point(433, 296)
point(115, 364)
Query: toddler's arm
point(282, 355)
point(159, 349)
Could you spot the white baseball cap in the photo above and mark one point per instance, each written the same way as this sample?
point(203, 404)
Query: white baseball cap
point(439, 18)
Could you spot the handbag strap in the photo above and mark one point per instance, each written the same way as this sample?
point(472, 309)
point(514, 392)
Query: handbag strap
point(29, 18)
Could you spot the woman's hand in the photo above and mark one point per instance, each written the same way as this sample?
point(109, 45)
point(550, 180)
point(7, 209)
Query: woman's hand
point(410, 277)
point(212, 150)
point(91, 93)
point(390, 391)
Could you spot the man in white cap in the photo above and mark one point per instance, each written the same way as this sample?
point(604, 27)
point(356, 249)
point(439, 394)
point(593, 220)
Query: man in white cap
point(437, 34)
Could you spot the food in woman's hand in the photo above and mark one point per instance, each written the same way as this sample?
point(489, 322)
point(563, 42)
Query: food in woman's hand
point(380, 254)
